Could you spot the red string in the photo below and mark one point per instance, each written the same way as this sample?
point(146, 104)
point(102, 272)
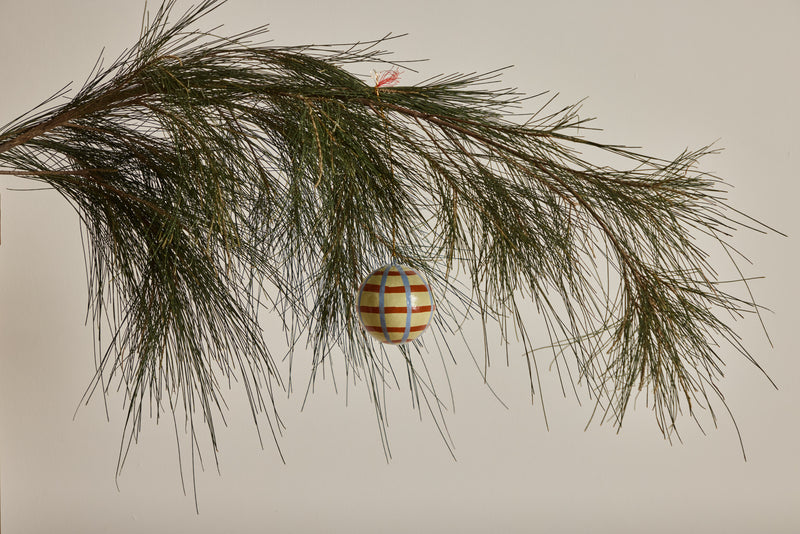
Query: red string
point(388, 78)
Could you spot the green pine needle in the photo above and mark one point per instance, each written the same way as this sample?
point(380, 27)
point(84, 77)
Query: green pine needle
point(216, 177)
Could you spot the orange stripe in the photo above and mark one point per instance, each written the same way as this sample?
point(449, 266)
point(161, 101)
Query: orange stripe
point(409, 273)
point(375, 288)
point(395, 329)
point(394, 309)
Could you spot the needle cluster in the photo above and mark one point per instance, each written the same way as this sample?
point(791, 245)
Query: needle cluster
point(218, 177)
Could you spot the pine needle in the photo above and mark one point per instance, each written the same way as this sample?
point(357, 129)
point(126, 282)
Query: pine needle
point(216, 177)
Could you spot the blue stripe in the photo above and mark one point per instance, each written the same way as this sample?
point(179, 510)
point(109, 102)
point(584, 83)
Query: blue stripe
point(408, 303)
point(381, 305)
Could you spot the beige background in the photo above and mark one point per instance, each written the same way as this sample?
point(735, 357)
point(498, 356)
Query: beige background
point(663, 75)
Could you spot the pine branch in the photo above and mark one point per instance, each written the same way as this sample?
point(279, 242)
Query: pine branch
point(216, 177)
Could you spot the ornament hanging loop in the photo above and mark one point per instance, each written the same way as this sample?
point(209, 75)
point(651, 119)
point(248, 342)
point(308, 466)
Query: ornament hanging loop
point(387, 78)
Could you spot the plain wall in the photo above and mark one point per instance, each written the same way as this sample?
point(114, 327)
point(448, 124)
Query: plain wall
point(660, 75)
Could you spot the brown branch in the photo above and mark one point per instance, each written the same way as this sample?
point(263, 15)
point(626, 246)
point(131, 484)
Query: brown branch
point(109, 100)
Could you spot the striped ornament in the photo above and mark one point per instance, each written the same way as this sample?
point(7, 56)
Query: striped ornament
point(395, 304)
